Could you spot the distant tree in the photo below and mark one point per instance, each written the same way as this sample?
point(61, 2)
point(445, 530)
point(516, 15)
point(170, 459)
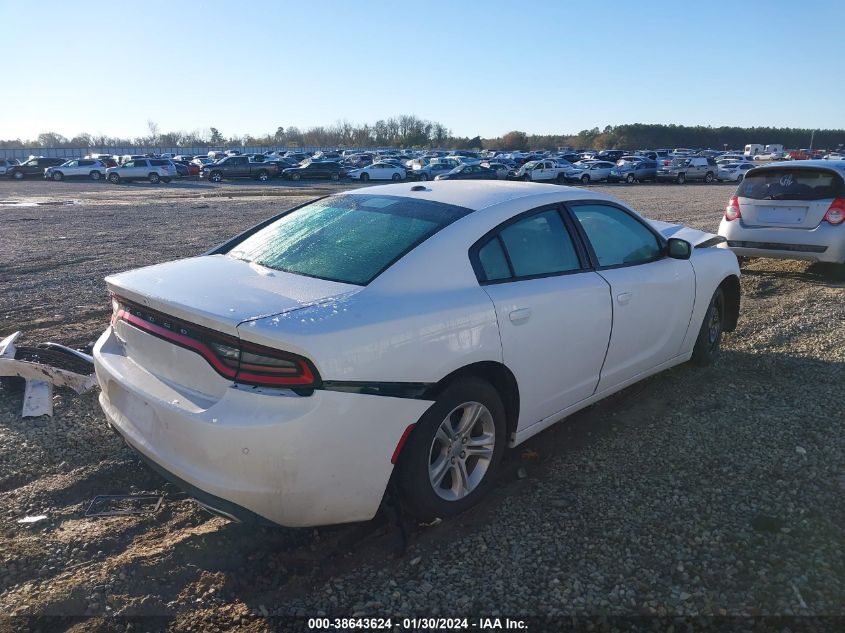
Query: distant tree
point(279, 136)
point(515, 140)
point(216, 138)
point(51, 139)
point(152, 126)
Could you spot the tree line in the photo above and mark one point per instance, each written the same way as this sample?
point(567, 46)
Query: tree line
point(409, 131)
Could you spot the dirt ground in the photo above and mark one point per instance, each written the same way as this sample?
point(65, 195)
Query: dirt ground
point(714, 492)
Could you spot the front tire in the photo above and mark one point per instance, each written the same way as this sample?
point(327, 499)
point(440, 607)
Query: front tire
point(364, 177)
point(114, 179)
point(19, 175)
point(57, 176)
point(335, 176)
point(585, 179)
point(708, 344)
point(215, 176)
point(629, 179)
point(452, 454)
point(295, 176)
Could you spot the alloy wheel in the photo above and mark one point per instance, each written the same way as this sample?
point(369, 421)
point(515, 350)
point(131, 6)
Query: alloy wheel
point(461, 451)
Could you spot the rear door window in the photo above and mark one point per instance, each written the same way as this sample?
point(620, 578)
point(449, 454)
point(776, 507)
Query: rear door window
point(791, 184)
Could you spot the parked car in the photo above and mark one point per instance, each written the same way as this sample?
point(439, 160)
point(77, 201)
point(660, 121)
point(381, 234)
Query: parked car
point(692, 168)
point(633, 171)
point(546, 170)
point(388, 333)
point(191, 168)
point(433, 169)
point(733, 170)
point(34, 166)
point(239, 167)
point(611, 155)
point(6, 164)
point(501, 169)
point(469, 172)
point(152, 169)
point(590, 171)
point(315, 169)
point(377, 171)
point(77, 168)
point(789, 211)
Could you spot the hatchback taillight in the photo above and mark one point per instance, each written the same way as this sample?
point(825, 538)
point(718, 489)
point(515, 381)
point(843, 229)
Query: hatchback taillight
point(732, 210)
point(836, 213)
point(232, 358)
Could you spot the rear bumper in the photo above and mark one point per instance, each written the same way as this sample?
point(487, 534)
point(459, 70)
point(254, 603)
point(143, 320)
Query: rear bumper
point(293, 460)
point(825, 243)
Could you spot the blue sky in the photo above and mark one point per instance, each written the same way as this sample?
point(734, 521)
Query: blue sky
point(479, 67)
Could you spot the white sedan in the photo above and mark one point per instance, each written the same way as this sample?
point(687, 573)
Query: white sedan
point(377, 171)
point(733, 171)
point(405, 331)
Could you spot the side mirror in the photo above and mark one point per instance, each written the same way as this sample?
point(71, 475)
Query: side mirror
point(679, 249)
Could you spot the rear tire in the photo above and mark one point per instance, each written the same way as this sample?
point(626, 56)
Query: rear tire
point(708, 344)
point(263, 175)
point(396, 177)
point(335, 176)
point(423, 177)
point(465, 456)
point(561, 179)
point(681, 179)
point(95, 175)
point(154, 178)
point(708, 177)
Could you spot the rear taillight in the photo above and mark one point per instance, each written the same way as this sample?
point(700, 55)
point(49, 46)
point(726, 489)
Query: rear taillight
point(230, 357)
point(836, 213)
point(732, 210)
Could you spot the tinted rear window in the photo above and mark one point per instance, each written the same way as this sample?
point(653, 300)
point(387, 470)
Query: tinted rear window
point(346, 238)
point(791, 184)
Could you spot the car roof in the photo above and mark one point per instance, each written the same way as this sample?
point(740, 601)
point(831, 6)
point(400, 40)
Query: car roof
point(475, 194)
point(835, 165)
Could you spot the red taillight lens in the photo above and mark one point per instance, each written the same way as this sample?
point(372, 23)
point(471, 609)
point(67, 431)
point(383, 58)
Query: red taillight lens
point(732, 210)
point(836, 213)
point(230, 357)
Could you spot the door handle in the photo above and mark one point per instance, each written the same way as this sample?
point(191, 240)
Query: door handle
point(624, 297)
point(520, 315)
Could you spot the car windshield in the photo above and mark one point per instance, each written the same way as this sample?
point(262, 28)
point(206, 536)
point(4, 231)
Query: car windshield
point(346, 238)
point(530, 165)
point(791, 184)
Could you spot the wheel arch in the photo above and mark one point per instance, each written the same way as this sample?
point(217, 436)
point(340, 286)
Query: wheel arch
point(731, 290)
point(502, 380)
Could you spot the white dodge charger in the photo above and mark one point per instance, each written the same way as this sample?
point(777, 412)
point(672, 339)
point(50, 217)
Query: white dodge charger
point(402, 332)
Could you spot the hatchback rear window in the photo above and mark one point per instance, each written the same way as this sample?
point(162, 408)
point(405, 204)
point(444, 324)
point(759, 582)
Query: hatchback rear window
point(346, 238)
point(791, 184)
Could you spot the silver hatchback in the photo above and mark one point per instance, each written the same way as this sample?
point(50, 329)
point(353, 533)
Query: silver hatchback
point(793, 210)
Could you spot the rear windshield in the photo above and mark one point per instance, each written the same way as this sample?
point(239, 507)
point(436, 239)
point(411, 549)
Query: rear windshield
point(346, 238)
point(791, 184)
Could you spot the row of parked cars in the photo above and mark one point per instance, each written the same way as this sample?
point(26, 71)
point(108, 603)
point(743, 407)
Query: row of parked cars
point(564, 166)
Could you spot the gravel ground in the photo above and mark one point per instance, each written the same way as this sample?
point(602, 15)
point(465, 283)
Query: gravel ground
point(707, 492)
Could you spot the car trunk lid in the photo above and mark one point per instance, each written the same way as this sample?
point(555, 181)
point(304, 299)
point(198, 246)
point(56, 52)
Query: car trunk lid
point(213, 292)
